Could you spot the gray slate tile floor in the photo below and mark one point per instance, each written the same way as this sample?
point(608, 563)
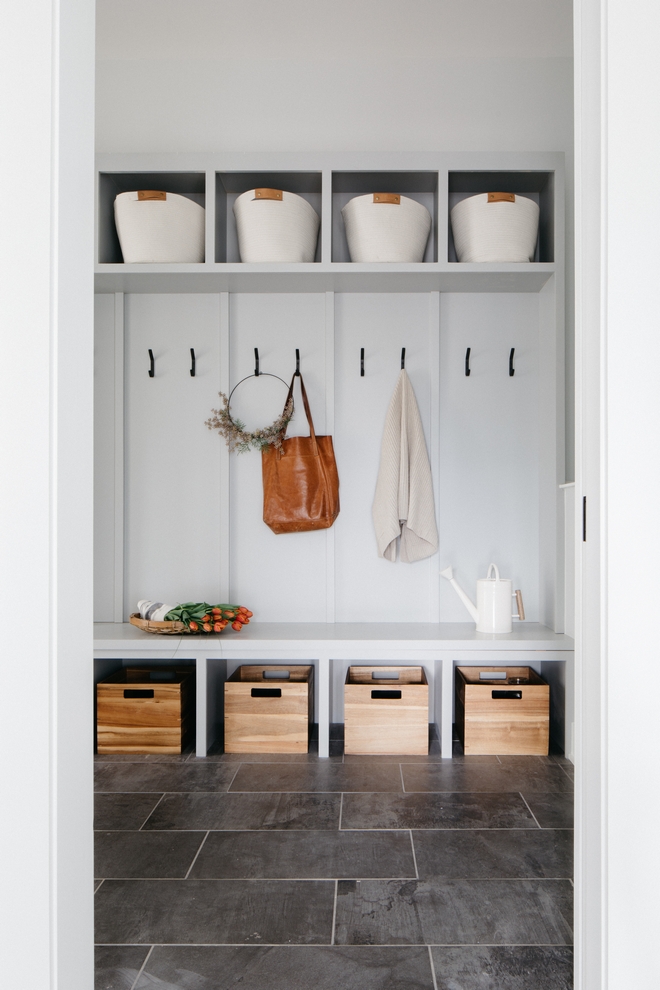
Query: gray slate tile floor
point(365, 873)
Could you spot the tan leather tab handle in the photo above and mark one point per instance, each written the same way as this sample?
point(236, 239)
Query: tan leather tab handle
point(268, 194)
point(519, 603)
point(144, 194)
point(387, 198)
point(501, 197)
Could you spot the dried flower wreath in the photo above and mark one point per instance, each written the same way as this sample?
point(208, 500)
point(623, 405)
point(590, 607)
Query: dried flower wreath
point(241, 440)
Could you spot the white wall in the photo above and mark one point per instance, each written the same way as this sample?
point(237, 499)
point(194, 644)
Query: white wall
point(46, 316)
point(340, 75)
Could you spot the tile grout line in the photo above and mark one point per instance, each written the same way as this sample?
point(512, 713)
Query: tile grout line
point(197, 854)
point(146, 959)
point(412, 846)
point(150, 813)
point(403, 786)
point(334, 914)
point(341, 811)
point(99, 886)
point(529, 809)
point(435, 982)
point(238, 767)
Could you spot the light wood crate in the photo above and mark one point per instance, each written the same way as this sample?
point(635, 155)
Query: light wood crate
point(502, 715)
point(386, 715)
point(145, 710)
point(268, 714)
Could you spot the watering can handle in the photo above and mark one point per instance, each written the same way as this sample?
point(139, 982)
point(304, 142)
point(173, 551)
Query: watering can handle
point(493, 567)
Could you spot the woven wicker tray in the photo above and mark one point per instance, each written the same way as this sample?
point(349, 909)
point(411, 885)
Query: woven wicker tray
point(159, 628)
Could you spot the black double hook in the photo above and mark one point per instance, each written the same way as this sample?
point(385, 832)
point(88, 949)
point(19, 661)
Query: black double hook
point(256, 362)
point(192, 362)
point(512, 370)
point(467, 362)
point(297, 372)
point(403, 359)
point(152, 364)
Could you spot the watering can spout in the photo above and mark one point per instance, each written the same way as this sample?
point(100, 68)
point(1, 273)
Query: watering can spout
point(469, 604)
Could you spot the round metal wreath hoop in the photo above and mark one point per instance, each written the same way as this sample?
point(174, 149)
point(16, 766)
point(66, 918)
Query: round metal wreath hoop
point(235, 434)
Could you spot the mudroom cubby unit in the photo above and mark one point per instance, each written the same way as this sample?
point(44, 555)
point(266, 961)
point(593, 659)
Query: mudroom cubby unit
point(230, 185)
point(179, 518)
point(538, 186)
point(191, 184)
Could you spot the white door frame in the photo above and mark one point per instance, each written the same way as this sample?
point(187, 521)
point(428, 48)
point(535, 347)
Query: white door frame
point(46, 101)
point(617, 76)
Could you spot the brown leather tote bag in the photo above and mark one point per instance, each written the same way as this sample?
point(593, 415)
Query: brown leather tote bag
point(301, 484)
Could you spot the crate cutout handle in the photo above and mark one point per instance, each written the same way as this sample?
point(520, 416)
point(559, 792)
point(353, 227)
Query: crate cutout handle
point(268, 194)
point(392, 198)
point(276, 675)
point(266, 692)
point(147, 194)
point(492, 675)
point(384, 675)
point(508, 695)
point(391, 695)
point(138, 693)
point(501, 197)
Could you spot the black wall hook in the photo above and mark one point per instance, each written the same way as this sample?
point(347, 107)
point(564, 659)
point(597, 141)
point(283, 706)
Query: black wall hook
point(467, 362)
point(192, 362)
point(362, 362)
point(297, 362)
point(512, 370)
point(403, 358)
point(256, 362)
point(151, 363)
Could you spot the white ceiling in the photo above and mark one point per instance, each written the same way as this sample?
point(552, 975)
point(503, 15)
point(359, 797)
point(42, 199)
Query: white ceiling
point(332, 29)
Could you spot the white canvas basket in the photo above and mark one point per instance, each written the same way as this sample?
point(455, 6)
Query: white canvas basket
point(495, 227)
point(386, 227)
point(159, 228)
point(275, 226)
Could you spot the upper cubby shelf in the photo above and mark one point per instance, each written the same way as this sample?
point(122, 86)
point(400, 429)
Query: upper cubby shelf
point(327, 183)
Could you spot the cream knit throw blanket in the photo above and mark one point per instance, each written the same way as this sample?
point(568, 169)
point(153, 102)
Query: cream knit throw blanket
point(403, 503)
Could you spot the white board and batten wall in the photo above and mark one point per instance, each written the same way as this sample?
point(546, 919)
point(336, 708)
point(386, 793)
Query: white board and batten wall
point(178, 517)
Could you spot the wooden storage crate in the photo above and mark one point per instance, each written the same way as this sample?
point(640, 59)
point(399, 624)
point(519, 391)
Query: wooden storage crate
point(386, 711)
point(268, 709)
point(145, 710)
point(502, 710)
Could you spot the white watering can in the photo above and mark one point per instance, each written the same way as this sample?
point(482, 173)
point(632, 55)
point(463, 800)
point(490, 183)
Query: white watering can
point(492, 612)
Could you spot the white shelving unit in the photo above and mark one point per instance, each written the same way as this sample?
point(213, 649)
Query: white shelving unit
point(176, 515)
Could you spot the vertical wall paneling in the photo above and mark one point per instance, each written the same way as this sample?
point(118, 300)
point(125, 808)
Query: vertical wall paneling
point(433, 440)
point(330, 427)
point(489, 444)
point(119, 426)
point(172, 481)
point(105, 383)
point(369, 588)
point(281, 577)
point(551, 453)
point(224, 504)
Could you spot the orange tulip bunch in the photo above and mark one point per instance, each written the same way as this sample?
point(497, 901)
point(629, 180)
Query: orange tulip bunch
point(200, 617)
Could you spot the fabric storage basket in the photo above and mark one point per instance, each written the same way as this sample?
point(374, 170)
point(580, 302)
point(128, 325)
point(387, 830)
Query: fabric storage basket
point(275, 226)
point(156, 227)
point(386, 227)
point(496, 227)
